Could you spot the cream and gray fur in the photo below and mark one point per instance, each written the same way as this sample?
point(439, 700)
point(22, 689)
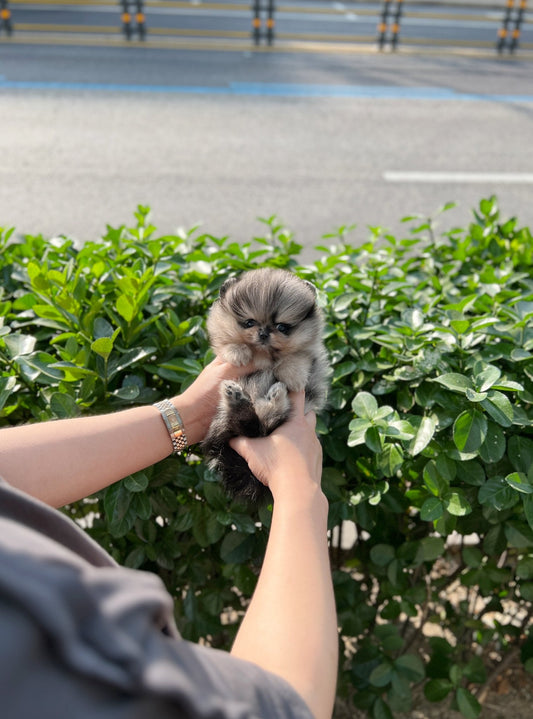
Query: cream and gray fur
point(270, 318)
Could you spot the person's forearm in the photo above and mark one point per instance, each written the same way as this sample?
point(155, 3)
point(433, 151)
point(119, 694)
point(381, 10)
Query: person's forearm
point(65, 460)
point(290, 627)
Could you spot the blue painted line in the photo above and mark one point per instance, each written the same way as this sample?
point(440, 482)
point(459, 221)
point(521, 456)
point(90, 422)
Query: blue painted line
point(264, 89)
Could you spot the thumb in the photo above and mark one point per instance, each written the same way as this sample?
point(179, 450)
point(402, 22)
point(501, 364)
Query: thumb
point(241, 445)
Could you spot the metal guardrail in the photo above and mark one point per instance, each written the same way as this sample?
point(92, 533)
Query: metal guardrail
point(390, 17)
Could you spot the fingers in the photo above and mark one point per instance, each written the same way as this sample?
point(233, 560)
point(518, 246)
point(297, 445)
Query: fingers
point(298, 403)
point(240, 445)
point(231, 371)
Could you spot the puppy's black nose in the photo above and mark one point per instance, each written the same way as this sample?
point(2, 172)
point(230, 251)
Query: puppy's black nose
point(263, 334)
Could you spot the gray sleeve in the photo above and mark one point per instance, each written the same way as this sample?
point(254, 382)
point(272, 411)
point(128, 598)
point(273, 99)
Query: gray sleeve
point(86, 641)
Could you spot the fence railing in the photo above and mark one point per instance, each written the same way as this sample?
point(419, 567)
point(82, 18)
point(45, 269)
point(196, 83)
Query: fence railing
point(503, 27)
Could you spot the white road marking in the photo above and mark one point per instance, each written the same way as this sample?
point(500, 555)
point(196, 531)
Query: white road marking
point(509, 178)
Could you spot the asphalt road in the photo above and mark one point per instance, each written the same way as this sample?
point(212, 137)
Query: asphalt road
point(220, 138)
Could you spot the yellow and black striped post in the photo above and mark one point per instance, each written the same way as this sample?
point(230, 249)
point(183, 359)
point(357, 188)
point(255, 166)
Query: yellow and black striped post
point(396, 24)
point(140, 19)
point(504, 30)
point(395, 16)
point(5, 17)
point(126, 19)
point(509, 33)
point(256, 22)
point(270, 23)
point(515, 37)
point(383, 25)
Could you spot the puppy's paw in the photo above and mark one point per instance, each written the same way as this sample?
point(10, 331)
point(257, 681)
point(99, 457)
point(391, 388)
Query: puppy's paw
point(274, 407)
point(277, 393)
point(238, 355)
point(233, 394)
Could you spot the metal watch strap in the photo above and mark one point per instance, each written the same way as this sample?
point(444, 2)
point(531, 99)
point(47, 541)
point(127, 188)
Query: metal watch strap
point(174, 425)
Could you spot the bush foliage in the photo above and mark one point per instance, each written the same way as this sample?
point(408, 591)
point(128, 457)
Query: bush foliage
point(427, 436)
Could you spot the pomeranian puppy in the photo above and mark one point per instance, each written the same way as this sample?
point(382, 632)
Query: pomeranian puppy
point(270, 318)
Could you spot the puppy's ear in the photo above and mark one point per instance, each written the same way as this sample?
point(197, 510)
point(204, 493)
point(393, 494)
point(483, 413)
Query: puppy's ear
point(310, 285)
point(226, 285)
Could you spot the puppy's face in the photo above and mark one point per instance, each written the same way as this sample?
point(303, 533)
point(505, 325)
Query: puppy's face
point(271, 311)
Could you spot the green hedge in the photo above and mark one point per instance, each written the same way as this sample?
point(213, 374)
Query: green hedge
point(427, 436)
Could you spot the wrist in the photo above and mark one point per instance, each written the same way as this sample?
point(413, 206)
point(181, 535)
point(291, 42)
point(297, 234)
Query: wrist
point(193, 419)
point(309, 499)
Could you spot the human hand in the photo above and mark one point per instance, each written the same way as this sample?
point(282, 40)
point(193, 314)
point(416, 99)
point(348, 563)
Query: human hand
point(198, 403)
point(288, 461)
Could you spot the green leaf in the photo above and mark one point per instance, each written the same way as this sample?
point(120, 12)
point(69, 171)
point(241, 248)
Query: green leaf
point(358, 429)
point(497, 493)
point(365, 405)
point(141, 506)
point(521, 453)
point(400, 695)
point(499, 407)
point(382, 554)
point(527, 502)
point(19, 345)
point(520, 482)
point(472, 556)
point(102, 328)
point(390, 460)
point(468, 705)
point(411, 666)
point(373, 439)
point(432, 509)
point(103, 347)
point(424, 435)
point(493, 448)
point(475, 396)
point(125, 307)
point(381, 675)
point(429, 549)
point(381, 710)
point(8, 386)
point(471, 472)
point(495, 541)
point(457, 504)
point(487, 378)
point(343, 369)
point(455, 381)
point(137, 482)
point(524, 568)
point(519, 534)
point(135, 558)
point(119, 516)
point(469, 431)
point(437, 689)
point(460, 326)
point(63, 405)
point(236, 548)
point(526, 591)
point(433, 479)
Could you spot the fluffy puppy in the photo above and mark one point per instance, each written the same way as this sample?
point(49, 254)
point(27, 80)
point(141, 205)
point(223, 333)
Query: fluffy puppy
point(270, 318)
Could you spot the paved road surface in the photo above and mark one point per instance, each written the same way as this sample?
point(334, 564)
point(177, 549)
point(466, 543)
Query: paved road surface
point(221, 138)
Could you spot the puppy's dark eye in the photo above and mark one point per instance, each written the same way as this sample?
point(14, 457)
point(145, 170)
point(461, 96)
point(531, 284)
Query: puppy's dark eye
point(283, 328)
point(248, 323)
